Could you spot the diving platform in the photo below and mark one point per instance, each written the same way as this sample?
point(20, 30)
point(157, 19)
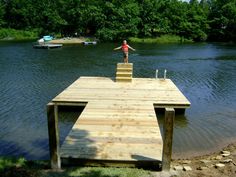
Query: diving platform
point(118, 126)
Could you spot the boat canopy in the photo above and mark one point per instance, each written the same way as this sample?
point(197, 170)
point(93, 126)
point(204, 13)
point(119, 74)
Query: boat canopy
point(47, 38)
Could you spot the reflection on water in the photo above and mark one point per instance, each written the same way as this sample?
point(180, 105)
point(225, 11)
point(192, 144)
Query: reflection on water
point(30, 78)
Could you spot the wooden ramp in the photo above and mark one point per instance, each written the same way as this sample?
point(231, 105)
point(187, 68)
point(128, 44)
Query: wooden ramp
point(118, 123)
point(115, 132)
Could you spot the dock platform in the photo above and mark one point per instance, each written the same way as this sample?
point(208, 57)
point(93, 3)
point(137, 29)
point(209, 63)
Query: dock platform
point(118, 124)
point(47, 46)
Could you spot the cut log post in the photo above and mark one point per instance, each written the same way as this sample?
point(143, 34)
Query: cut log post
point(168, 137)
point(53, 134)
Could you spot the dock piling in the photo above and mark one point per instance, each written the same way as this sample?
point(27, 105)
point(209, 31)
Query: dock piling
point(53, 134)
point(168, 137)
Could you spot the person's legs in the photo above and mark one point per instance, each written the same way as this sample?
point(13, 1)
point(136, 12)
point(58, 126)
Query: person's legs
point(125, 57)
point(125, 60)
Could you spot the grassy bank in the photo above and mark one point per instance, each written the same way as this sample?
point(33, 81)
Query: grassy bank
point(12, 34)
point(164, 39)
point(21, 168)
point(201, 166)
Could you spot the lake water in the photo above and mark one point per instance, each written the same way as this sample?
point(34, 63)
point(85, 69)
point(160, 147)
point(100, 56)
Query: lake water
point(30, 78)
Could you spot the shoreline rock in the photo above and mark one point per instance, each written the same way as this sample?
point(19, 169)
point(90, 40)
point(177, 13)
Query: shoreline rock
point(221, 163)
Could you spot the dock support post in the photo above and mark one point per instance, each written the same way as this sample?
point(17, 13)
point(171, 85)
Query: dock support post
point(168, 137)
point(53, 134)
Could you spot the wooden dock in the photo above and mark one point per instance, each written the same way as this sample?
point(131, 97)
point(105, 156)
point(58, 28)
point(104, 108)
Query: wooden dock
point(47, 46)
point(118, 124)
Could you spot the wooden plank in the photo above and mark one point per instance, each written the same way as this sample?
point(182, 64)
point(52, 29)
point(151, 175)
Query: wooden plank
point(130, 86)
point(125, 115)
point(125, 65)
point(166, 102)
point(53, 134)
point(154, 99)
point(106, 140)
point(168, 137)
point(125, 136)
point(121, 123)
point(105, 128)
point(160, 91)
point(152, 91)
point(133, 95)
point(117, 134)
point(124, 156)
point(114, 151)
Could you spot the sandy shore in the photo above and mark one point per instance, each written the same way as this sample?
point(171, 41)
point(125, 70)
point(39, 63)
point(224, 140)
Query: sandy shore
point(68, 40)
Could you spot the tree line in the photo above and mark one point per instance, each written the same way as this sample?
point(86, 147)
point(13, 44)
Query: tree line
point(109, 20)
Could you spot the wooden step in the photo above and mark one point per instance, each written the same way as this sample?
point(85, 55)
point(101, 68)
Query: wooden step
point(124, 74)
point(124, 65)
point(124, 70)
point(123, 79)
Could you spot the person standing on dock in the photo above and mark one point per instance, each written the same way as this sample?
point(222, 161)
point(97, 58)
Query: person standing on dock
point(125, 48)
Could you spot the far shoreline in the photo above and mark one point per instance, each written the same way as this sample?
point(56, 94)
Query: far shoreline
point(81, 40)
point(164, 39)
point(69, 40)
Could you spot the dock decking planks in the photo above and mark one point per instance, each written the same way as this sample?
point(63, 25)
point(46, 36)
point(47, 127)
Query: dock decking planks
point(157, 91)
point(119, 121)
point(126, 139)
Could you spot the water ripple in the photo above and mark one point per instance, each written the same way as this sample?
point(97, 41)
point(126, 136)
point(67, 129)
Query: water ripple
point(30, 78)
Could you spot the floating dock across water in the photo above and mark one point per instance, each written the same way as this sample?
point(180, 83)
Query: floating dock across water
point(47, 46)
point(118, 126)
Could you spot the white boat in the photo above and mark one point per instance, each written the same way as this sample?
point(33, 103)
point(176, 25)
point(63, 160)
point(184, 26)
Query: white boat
point(45, 39)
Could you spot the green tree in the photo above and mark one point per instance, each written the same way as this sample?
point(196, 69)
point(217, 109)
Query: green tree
point(175, 16)
point(2, 13)
point(115, 20)
point(29, 14)
point(229, 12)
point(191, 20)
point(122, 19)
point(223, 20)
point(149, 17)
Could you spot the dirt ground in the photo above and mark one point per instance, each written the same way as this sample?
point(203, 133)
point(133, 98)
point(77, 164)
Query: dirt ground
point(68, 40)
point(220, 164)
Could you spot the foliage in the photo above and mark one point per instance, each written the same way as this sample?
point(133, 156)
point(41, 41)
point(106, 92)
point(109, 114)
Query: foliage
point(115, 20)
point(8, 34)
point(10, 162)
point(162, 39)
point(21, 168)
point(223, 20)
point(2, 13)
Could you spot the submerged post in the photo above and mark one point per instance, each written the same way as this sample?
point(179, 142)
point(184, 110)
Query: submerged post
point(168, 137)
point(53, 134)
